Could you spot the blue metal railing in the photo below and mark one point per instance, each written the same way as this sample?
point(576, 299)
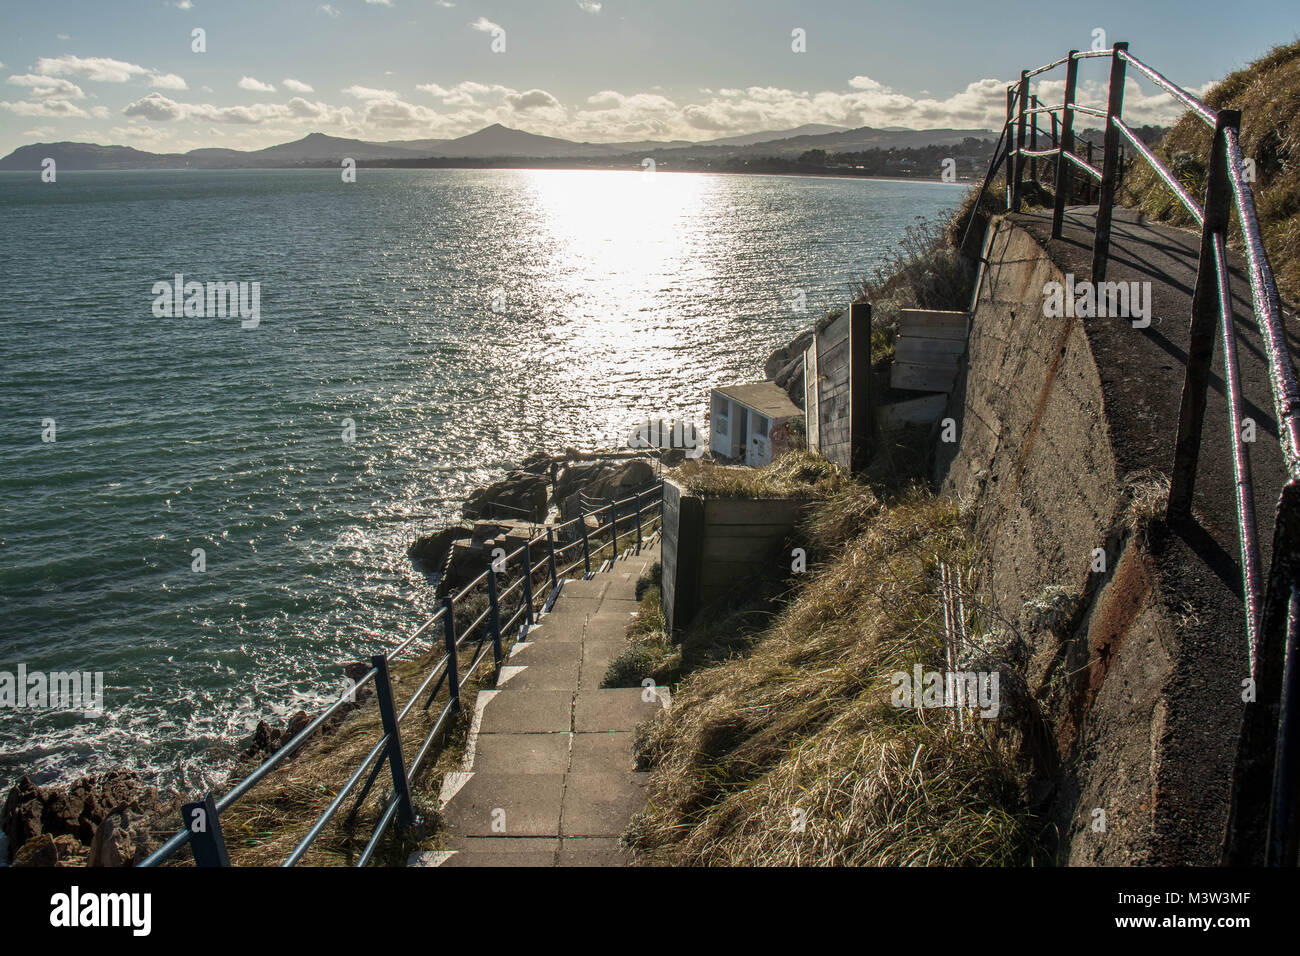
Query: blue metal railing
point(202, 828)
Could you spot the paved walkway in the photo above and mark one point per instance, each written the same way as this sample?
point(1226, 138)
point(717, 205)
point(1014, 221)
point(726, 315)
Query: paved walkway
point(548, 777)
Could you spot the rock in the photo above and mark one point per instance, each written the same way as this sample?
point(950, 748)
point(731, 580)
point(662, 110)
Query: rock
point(538, 463)
point(518, 495)
point(70, 850)
point(38, 851)
point(618, 483)
point(123, 839)
point(4, 849)
point(296, 724)
point(430, 550)
point(782, 357)
point(790, 378)
point(22, 812)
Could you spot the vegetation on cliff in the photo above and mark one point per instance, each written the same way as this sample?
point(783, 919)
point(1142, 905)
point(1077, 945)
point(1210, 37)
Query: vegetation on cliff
point(1267, 92)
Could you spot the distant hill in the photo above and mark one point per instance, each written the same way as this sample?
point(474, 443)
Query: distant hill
point(491, 142)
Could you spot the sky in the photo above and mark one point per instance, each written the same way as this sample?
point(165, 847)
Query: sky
point(130, 72)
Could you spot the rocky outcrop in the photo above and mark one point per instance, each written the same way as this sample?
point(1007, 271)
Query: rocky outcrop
point(58, 826)
point(430, 551)
point(785, 366)
point(613, 483)
point(521, 494)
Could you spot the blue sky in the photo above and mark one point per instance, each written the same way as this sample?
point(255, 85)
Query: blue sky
point(123, 71)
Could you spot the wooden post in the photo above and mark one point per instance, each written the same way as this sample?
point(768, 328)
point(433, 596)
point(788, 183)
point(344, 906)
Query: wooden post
point(1110, 165)
point(1064, 170)
point(1006, 148)
point(859, 385)
point(1023, 96)
point(1033, 139)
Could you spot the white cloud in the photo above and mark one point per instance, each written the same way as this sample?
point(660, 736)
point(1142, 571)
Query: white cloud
point(155, 107)
point(369, 93)
point(297, 86)
point(48, 86)
point(100, 69)
point(329, 11)
point(484, 25)
point(445, 4)
point(532, 99)
point(183, 5)
point(380, 3)
point(52, 108)
point(257, 86)
point(589, 6)
point(167, 81)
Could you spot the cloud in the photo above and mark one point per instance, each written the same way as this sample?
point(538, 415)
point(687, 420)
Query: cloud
point(257, 86)
point(99, 69)
point(60, 109)
point(297, 86)
point(102, 69)
point(155, 107)
point(369, 93)
point(329, 11)
point(380, 3)
point(484, 25)
point(183, 5)
point(532, 99)
point(167, 81)
point(446, 4)
point(589, 6)
point(48, 86)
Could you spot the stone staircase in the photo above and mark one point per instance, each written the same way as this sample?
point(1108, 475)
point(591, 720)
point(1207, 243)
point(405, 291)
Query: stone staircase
point(548, 776)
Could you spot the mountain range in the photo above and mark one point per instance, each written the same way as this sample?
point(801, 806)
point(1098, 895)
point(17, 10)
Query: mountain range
point(491, 142)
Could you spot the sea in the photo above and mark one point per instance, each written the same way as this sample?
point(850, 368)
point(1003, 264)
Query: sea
point(212, 511)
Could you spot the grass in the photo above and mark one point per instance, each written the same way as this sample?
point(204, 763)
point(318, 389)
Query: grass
point(796, 474)
point(1267, 92)
point(788, 751)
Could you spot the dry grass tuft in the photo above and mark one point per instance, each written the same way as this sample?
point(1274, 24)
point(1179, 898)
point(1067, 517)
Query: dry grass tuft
point(792, 754)
point(796, 474)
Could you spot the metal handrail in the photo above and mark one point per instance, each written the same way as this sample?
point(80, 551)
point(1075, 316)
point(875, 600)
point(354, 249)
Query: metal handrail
point(208, 844)
point(1264, 821)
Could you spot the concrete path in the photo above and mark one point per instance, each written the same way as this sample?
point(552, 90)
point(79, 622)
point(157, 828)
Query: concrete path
point(548, 777)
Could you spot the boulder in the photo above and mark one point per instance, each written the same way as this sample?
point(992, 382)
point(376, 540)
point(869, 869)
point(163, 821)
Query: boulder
point(430, 551)
point(538, 463)
point(518, 495)
point(123, 839)
point(782, 357)
point(23, 810)
point(38, 851)
point(790, 378)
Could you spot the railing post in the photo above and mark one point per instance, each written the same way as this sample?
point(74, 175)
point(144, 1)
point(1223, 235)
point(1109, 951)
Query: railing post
point(494, 617)
point(453, 664)
point(528, 582)
point(1109, 165)
point(1034, 102)
point(388, 717)
point(206, 840)
point(613, 529)
point(1023, 96)
point(586, 548)
point(637, 504)
point(1204, 324)
point(550, 558)
point(1260, 831)
point(1064, 172)
point(1006, 146)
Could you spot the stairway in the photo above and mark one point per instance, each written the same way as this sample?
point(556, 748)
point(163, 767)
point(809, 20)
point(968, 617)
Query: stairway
point(548, 775)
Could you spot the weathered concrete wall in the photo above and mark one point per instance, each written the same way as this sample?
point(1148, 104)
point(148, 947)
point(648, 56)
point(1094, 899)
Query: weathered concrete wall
point(1037, 459)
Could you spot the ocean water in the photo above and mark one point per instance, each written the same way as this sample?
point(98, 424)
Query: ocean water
point(458, 319)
